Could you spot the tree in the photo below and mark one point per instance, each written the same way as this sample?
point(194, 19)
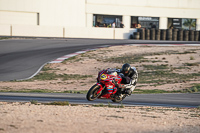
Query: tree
point(189, 23)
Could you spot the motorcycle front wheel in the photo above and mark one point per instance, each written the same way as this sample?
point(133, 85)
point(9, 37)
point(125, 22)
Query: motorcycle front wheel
point(92, 93)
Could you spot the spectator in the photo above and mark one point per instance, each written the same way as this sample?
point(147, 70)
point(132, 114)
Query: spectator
point(121, 25)
point(113, 25)
point(138, 25)
point(109, 26)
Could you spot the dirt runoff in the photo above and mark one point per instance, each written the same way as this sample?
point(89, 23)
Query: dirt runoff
point(31, 118)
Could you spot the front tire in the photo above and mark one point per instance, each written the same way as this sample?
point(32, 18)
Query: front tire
point(92, 93)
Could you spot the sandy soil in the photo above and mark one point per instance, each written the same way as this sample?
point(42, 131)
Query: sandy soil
point(30, 118)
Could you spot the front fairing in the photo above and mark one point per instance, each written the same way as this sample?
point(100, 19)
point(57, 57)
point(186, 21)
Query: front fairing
point(106, 77)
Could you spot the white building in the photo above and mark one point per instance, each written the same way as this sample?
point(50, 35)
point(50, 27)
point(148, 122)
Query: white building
point(90, 18)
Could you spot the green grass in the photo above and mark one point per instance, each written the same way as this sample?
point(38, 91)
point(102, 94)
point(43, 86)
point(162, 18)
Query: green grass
point(34, 102)
point(109, 105)
point(99, 105)
point(115, 116)
point(140, 57)
point(140, 91)
point(28, 91)
point(194, 88)
point(59, 103)
point(46, 68)
point(72, 59)
point(158, 74)
point(1, 38)
point(45, 91)
point(53, 76)
point(127, 58)
point(155, 67)
point(164, 77)
point(76, 92)
point(191, 64)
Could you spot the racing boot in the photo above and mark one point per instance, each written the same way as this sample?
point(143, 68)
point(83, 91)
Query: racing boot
point(129, 92)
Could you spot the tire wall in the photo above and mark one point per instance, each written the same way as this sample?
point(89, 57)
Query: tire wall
point(166, 34)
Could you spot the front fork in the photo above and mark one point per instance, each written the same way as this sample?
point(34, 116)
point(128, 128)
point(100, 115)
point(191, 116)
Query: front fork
point(100, 89)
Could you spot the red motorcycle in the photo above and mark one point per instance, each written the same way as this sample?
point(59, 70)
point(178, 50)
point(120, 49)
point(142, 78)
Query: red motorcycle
point(107, 87)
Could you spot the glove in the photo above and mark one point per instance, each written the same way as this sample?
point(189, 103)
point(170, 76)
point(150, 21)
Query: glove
point(121, 86)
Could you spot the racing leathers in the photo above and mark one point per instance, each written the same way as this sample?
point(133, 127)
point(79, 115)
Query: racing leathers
point(129, 80)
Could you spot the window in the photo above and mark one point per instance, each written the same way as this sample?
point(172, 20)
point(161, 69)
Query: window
point(182, 23)
point(145, 22)
point(106, 20)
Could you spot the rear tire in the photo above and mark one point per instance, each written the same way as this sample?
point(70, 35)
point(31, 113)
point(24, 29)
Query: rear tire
point(92, 93)
point(117, 99)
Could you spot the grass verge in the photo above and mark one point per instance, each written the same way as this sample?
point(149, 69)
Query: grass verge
point(59, 103)
point(193, 89)
point(109, 105)
point(53, 76)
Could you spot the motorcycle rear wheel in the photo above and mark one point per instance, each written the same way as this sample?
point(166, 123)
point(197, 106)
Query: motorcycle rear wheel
point(92, 93)
point(117, 99)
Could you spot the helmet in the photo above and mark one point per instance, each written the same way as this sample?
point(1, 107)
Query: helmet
point(125, 69)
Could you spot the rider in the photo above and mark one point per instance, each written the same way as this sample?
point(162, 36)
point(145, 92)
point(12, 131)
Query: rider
point(129, 76)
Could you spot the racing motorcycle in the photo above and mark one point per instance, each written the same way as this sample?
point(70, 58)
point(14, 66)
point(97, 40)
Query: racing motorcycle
point(107, 86)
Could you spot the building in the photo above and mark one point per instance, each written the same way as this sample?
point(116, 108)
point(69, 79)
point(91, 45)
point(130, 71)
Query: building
point(94, 18)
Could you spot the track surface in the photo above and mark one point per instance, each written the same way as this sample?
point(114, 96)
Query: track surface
point(168, 100)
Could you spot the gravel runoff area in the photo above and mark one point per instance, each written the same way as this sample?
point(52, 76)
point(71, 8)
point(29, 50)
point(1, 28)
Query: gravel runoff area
point(31, 118)
point(28, 118)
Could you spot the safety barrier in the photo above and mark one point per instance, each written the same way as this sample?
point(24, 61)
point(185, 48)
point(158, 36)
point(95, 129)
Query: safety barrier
point(167, 34)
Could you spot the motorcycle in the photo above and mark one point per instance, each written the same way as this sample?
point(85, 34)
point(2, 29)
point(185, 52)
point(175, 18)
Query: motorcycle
point(107, 86)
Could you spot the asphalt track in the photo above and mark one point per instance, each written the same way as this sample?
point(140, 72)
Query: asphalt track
point(23, 58)
point(166, 100)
